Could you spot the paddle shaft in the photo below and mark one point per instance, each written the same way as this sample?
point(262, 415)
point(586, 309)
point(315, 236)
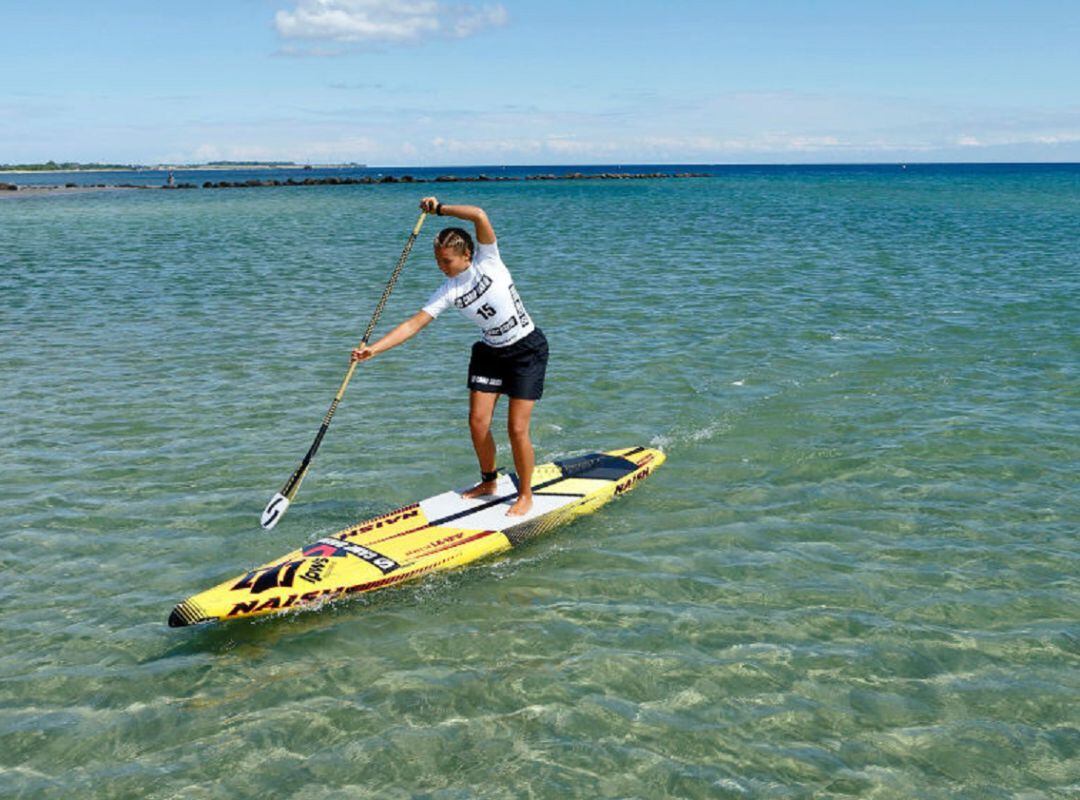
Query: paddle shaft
point(292, 486)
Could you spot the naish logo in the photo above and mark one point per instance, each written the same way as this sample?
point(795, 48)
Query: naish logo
point(279, 603)
point(382, 522)
point(260, 580)
point(629, 482)
point(338, 548)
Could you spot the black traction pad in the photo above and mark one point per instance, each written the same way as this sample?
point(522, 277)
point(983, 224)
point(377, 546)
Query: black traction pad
point(597, 466)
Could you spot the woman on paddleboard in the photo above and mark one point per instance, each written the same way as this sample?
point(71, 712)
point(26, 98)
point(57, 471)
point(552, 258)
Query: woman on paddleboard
point(511, 357)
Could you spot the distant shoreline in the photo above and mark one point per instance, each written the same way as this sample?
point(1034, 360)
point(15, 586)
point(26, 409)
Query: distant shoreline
point(267, 166)
point(216, 176)
point(14, 190)
point(46, 170)
point(37, 191)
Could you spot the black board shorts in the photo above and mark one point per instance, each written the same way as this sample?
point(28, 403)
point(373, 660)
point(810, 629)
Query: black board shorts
point(516, 370)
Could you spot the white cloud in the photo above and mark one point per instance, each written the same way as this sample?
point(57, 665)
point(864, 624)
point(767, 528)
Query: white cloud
point(486, 147)
point(468, 21)
point(341, 149)
point(230, 152)
point(745, 128)
point(351, 22)
point(1056, 138)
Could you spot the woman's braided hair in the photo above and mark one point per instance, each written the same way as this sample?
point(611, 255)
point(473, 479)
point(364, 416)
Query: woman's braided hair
point(457, 238)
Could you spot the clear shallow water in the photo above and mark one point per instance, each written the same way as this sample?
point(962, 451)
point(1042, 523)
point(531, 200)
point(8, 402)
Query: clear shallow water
point(856, 576)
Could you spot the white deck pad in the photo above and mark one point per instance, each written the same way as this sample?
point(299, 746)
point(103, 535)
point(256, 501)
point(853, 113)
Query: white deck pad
point(488, 513)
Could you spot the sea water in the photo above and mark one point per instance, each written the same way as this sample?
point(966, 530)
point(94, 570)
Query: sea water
point(855, 576)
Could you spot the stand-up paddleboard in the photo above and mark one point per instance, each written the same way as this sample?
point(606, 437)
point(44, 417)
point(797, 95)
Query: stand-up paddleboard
point(440, 533)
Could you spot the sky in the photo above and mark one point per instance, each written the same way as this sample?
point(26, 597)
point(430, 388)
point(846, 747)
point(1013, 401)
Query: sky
point(537, 82)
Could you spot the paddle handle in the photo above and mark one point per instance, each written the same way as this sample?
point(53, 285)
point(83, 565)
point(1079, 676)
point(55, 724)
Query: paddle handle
point(389, 288)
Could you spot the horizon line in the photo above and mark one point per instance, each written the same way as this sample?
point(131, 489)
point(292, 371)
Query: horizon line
point(284, 164)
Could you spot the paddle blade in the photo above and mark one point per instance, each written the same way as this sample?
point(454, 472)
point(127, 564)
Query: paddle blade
point(274, 510)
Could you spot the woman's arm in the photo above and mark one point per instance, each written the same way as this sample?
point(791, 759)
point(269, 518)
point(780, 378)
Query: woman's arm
point(402, 333)
point(485, 234)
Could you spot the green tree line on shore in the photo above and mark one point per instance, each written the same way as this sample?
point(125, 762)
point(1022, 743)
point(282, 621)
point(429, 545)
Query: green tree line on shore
point(64, 166)
point(74, 166)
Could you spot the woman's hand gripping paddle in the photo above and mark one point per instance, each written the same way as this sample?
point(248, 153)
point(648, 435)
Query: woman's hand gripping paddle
point(279, 503)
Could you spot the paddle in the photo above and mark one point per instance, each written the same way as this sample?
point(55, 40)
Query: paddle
point(279, 503)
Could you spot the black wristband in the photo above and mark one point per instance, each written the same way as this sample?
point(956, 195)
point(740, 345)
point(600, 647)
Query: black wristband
point(488, 477)
point(438, 209)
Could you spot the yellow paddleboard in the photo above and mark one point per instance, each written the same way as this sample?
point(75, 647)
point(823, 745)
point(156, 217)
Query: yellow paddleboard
point(440, 533)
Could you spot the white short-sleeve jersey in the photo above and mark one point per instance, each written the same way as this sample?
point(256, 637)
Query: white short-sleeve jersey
point(485, 294)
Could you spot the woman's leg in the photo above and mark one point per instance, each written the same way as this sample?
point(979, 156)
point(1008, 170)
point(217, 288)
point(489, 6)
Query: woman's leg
point(481, 410)
point(518, 427)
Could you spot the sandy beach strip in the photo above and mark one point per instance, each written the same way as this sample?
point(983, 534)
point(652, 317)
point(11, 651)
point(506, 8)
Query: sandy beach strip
point(40, 191)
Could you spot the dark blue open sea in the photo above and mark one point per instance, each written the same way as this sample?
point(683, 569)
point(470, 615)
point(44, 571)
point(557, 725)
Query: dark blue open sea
point(856, 576)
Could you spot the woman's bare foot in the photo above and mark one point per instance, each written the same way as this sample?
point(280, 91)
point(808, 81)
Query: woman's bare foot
point(482, 489)
point(521, 506)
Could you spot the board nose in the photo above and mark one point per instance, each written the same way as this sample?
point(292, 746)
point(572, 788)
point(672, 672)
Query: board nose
point(187, 613)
